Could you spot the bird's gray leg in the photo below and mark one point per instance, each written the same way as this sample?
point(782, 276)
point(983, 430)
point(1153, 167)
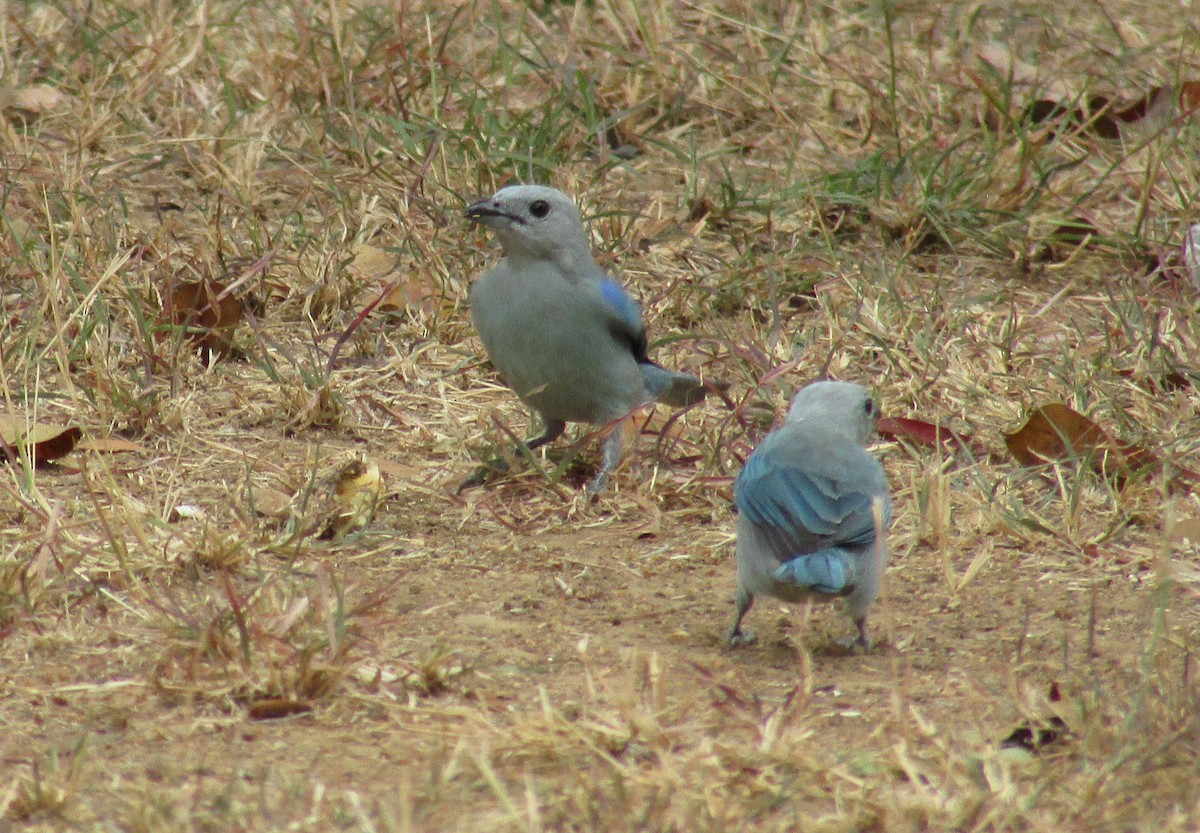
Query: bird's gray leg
point(861, 641)
point(610, 455)
point(553, 430)
point(737, 636)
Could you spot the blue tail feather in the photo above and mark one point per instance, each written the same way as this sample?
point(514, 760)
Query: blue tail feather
point(827, 571)
point(676, 389)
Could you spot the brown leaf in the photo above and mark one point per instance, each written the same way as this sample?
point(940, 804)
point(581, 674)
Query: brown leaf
point(1055, 433)
point(273, 708)
point(209, 314)
point(408, 292)
point(1189, 96)
point(400, 471)
point(920, 432)
point(272, 502)
point(37, 99)
point(45, 442)
point(371, 262)
point(1103, 116)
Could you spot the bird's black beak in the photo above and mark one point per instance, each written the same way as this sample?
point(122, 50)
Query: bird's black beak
point(480, 210)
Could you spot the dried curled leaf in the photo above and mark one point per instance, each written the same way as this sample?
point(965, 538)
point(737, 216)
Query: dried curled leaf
point(36, 99)
point(273, 708)
point(44, 442)
point(112, 445)
point(1186, 530)
point(209, 314)
point(922, 433)
point(1055, 433)
point(356, 495)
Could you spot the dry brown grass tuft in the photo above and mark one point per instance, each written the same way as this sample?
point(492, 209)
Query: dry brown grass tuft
point(216, 628)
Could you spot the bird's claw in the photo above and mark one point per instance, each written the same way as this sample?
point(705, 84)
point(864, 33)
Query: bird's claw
point(738, 637)
point(482, 475)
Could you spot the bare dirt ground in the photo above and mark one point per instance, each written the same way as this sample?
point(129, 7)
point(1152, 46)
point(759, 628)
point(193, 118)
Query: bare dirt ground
point(182, 649)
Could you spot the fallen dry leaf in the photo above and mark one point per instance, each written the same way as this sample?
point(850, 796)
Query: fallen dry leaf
point(920, 432)
point(44, 442)
point(408, 293)
point(371, 262)
point(356, 496)
point(1055, 433)
point(111, 445)
point(208, 313)
point(401, 471)
point(36, 99)
point(271, 502)
point(273, 708)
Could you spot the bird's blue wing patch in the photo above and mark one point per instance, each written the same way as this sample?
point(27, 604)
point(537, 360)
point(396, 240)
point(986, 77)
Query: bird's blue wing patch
point(624, 316)
point(621, 305)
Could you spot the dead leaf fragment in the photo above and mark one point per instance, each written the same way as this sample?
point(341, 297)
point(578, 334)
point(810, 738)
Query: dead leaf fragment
point(356, 495)
point(111, 445)
point(1055, 433)
point(408, 293)
point(44, 442)
point(271, 502)
point(208, 312)
point(371, 262)
point(273, 708)
point(920, 432)
point(1189, 96)
point(37, 99)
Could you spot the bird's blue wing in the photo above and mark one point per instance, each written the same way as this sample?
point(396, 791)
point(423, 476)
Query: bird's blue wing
point(625, 319)
point(830, 504)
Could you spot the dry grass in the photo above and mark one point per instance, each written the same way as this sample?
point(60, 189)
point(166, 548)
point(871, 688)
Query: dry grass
point(793, 190)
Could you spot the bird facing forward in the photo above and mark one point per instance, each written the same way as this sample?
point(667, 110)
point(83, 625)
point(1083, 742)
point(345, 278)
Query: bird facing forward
point(563, 334)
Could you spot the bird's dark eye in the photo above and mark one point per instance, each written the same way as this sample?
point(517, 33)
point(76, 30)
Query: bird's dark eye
point(869, 407)
point(539, 208)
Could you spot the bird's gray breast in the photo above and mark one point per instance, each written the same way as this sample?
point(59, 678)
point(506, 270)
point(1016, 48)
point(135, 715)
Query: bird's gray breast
point(552, 344)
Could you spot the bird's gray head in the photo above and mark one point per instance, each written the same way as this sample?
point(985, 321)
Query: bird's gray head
point(534, 221)
point(839, 406)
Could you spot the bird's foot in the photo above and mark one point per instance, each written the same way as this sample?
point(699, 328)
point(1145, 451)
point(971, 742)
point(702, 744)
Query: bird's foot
point(855, 645)
point(738, 637)
point(859, 643)
point(595, 485)
point(482, 475)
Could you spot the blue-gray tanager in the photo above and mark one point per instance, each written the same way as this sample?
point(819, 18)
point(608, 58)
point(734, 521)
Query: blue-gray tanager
point(813, 506)
point(563, 334)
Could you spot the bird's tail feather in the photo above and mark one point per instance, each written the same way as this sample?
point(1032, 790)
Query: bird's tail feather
point(826, 571)
point(678, 390)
